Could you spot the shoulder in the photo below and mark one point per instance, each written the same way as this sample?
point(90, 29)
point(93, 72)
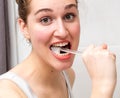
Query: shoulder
point(9, 89)
point(71, 75)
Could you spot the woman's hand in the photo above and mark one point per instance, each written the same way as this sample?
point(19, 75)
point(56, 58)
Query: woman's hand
point(101, 66)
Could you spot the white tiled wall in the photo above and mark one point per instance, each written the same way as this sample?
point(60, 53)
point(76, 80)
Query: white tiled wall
point(100, 23)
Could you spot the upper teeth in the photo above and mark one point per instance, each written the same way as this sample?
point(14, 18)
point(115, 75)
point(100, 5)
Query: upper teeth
point(60, 44)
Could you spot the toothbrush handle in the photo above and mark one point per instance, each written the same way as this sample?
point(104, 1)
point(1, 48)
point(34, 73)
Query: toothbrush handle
point(72, 51)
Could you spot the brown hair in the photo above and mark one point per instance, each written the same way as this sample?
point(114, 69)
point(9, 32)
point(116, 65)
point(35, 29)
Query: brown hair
point(24, 9)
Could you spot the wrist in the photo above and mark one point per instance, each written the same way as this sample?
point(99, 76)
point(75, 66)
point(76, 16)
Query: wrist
point(103, 89)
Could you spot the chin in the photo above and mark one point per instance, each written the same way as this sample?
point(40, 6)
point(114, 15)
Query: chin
point(61, 67)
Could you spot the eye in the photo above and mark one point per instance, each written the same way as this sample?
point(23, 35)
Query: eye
point(69, 17)
point(46, 20)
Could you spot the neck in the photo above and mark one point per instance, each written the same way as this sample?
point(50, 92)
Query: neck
point(37, 72)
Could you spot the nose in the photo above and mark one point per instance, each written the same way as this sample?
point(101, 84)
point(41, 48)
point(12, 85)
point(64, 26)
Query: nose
point(61, 29)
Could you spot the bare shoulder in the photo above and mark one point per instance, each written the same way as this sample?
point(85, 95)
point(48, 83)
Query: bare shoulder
point(71, 75)
point(9, 89)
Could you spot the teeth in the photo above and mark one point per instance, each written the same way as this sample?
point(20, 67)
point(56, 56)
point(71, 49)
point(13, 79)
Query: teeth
point(57, 50)
point(61, 44)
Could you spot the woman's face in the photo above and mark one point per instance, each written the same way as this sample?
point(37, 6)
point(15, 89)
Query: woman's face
point(53, 24)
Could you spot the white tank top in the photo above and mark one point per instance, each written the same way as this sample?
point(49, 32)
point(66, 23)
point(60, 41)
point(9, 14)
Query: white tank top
point(23, 85)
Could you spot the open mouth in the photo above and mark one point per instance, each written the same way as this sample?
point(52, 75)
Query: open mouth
point(56, 48)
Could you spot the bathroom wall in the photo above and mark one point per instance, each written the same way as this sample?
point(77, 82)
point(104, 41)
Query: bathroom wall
point(100, 23)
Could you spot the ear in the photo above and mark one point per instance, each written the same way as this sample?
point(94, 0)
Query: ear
point(24, 28)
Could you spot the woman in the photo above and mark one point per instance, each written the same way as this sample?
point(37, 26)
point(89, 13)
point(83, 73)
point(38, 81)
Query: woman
point(50, 25)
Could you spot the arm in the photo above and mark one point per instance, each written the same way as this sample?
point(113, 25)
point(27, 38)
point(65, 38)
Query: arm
point(101, 67)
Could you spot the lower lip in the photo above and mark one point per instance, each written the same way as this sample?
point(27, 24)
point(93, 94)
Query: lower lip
point(62, 57)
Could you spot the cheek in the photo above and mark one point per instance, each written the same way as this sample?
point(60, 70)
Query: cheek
point(75, 30)
point(75, 33)
point(41, 36)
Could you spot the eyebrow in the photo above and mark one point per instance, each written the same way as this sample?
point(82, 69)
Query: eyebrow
point(50, 10)
point(44, 10)
point(70, 6)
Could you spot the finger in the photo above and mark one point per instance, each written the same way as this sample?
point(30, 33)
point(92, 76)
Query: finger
point(113, 55)
point(88, 49)
point(104, 46)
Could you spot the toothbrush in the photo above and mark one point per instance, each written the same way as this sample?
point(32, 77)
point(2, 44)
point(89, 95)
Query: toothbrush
point(71, 51)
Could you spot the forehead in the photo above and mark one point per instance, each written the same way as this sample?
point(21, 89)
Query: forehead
point(53, 4)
